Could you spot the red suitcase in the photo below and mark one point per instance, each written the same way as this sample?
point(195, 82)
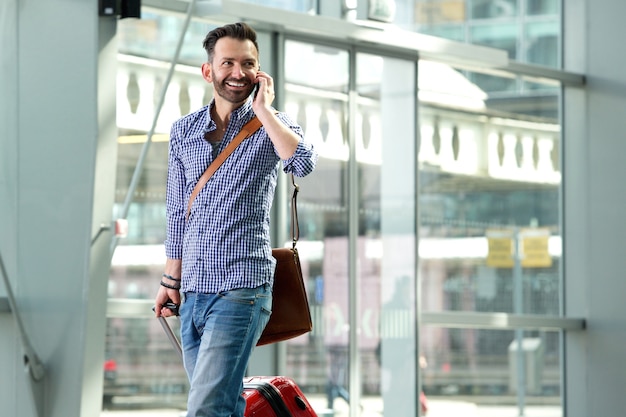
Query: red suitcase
point(275, 396)
point(266, 396)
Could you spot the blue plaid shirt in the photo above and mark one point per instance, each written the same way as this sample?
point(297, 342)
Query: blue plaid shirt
point(225, 242)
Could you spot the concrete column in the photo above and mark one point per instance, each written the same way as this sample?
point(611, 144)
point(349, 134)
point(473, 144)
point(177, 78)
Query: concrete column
point(57, 160)
point(594, 201)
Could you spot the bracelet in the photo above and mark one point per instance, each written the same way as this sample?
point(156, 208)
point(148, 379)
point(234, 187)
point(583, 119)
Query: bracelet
point(171, 277)
point(171, 287)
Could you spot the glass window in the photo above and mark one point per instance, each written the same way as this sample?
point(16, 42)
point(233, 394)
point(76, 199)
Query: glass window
point(500, 36)
point(489, 9)
point(141, 369)
point(542, 7)
point(439, 12)
point(459, 368)
point(528, 30)
point(542, 40)
point(319, 360)
point(304, 6)
point(156, 36)
point(385, 142)
point(374, 186)
point(497, 86)
point(452, 32)
point(490, 238)
point(489, 178)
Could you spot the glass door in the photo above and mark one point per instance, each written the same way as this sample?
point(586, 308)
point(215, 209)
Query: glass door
point(358, 205)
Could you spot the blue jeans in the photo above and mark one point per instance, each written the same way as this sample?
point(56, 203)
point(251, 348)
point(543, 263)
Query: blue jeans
point(218, 333)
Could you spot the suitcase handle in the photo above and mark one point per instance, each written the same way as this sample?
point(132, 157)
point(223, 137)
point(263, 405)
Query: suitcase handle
point(168, 329)
point(172, 306)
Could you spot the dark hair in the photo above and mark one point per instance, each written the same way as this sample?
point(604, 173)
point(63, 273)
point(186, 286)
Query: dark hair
point(240, 30)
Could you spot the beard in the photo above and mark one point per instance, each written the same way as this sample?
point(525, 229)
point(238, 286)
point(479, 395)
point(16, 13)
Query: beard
point(233, 96)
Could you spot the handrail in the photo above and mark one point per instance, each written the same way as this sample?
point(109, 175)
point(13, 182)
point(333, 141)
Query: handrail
point(34, 365)
point(501, 321)
point(131, 308)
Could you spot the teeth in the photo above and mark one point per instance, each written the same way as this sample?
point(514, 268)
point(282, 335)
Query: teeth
point(236, 84)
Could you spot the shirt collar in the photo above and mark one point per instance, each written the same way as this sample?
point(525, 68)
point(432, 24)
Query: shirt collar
point(240, 113)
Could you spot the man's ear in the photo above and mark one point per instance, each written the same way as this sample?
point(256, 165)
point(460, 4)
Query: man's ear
point(207, 73)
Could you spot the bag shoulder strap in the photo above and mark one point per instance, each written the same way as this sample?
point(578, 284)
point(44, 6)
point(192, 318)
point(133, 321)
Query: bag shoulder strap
point(246, 131)
point(295, 227)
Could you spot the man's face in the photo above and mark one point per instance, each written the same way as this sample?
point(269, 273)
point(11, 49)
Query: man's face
point(233, 69)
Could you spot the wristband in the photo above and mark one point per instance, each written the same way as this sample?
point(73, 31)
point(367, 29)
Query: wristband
point(171, 287)
point(171, 277)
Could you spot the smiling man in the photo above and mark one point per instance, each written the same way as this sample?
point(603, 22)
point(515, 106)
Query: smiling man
point(219, 257)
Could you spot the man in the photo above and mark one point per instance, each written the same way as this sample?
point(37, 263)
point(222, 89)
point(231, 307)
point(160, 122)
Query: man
point(219, 256)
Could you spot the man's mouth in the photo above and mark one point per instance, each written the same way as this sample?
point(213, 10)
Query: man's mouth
point(235, 84)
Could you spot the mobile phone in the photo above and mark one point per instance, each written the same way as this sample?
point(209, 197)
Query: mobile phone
point(255, 91)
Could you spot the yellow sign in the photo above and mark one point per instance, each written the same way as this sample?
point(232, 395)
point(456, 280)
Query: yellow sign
point(534, 248)
point(441, 11)
point(501, 249)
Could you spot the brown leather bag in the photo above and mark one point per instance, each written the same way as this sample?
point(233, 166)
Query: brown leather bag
point(291, 314)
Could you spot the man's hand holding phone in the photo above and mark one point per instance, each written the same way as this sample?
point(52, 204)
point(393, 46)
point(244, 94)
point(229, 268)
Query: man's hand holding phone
point(263, 93)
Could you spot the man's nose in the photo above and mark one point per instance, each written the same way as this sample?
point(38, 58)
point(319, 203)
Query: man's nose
point(238, 71)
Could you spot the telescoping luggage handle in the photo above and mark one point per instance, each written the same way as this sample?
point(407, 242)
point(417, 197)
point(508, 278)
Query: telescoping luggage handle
point(168, 330)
